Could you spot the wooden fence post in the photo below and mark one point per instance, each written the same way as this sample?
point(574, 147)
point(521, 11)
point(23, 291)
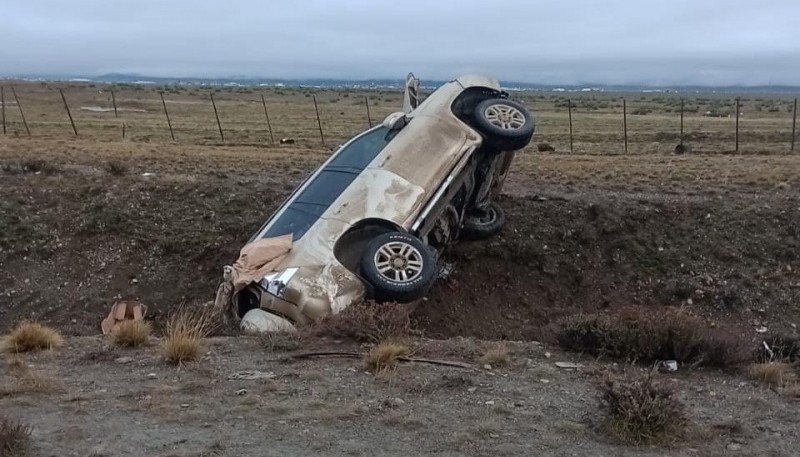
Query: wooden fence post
point(123, 130)
point(794, 123)
point(569, 110)
point(166, 113)
point(737, 124)
point(21, 113)
point(319, 122)
point(3, 104)
point(681, 121)
point(266, 114)
point(69, 114)
point(217, 116)
point(369, 118)
point(114, 101)
point(625, 123)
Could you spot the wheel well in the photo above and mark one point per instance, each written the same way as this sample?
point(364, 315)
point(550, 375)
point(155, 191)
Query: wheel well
point(465, 103)
point(348, 247)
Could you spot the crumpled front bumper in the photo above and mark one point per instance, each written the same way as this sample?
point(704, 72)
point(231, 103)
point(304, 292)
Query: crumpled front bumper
point(302, 294)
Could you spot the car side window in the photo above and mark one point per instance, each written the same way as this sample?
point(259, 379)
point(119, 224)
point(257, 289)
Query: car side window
point(328, 184)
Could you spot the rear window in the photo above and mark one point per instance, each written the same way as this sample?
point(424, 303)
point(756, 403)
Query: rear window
point(329, 184)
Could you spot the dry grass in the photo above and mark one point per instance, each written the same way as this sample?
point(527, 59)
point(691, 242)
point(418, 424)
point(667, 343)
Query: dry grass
point(496, 355)
point(382, 358)
point(646, 336)
point(14, 438)
point(23, 380)
point(131, 334)
point(186, 331)
point(367, 322)
point(31, 336)
point(642, 412)
point(773, 373)
point(280, 341)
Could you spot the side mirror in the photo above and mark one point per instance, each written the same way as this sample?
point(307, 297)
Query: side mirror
point(395, 121)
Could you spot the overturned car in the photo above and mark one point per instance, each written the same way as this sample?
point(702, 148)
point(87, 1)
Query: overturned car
point(372, 221)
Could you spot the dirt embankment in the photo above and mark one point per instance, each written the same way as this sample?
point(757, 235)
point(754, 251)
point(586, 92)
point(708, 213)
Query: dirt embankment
point(76, 237)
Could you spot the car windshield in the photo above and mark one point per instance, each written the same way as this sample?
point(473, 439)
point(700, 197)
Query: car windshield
point(327, 185)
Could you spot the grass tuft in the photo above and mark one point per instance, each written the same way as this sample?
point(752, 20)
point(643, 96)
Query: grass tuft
point(186, 331)
point(638, 336)
point(131, 333)
point(14, 438)
point(31, 336)
point(773, 373)
point(497, 355)
point(116, 168)
point(642, 412)
point(382, 358)
point(367, 322)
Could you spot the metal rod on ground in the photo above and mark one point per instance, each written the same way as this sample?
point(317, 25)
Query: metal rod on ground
point(114, 101)
point(625, 123)
point(21, 113)
point(737, 124)
point(217, 116)
point(3, 104)
point(681, 121)
point(319, 122)
point(266, 114)
point(369, 118)
point(164, 104)
point(794, 124)
point(569, 108)
point(69, 114)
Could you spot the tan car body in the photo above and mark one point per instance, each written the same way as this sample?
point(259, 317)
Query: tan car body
point(398, 187)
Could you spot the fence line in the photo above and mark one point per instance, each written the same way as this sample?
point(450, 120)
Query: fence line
point(318, 117)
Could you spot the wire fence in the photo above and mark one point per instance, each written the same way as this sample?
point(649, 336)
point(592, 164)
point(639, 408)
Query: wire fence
point(595, 123)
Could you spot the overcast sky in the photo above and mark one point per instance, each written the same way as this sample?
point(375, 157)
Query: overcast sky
point(723, 42)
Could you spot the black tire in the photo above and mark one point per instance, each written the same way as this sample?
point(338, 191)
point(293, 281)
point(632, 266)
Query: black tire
point(386, 288)
point(508, 138)
point(485, 225)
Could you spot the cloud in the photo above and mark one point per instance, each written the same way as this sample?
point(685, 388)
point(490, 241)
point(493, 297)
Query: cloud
point(614, 41)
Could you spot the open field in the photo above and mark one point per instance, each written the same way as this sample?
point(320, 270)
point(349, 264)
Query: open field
point(89, 220)
point(653, 118)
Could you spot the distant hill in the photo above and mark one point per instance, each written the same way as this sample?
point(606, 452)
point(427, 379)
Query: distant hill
point(125, 78)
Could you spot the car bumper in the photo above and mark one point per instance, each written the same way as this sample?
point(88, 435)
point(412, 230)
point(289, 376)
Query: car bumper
point(302, 294)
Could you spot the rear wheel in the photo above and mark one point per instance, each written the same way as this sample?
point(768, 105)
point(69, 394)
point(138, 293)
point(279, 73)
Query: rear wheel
point(398, 266)
point(484, 224)
point(507, 125)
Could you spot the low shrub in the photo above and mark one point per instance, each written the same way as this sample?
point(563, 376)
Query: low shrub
point(186, 331)
point(14, 437)
point(131, 333)
point(640, 411)
point(31, 336)
point(366, 322)
point(639, 336)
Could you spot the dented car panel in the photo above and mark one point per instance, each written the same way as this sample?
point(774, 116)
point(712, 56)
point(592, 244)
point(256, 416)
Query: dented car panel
point(395, 179)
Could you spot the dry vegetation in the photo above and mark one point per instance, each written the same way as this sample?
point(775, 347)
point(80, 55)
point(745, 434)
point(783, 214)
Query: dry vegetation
point(131, 333)
point(14, 437)
point(22, 380)
point(185, 334)
point(774, 373)
point(31, 336)
point(496, 355)
point(651, 335)
point(367, 322)
point(382, 358)
point(642, 411)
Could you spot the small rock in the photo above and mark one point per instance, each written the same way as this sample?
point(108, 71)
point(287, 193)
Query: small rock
point(494, 435)
point(489, 402)
point(185, 405)
point(241, 392)
point(734, 447)
point(487, 366)
point(547, 355)
point(669, 365)
point(568, 365)
point(761, 329)
point(544, 381)
point(472, 389)
point(151, 376)
point(124, 360)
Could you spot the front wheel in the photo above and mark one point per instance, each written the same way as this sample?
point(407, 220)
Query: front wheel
point(399, 266)
point(507, 125)
point(484, 224)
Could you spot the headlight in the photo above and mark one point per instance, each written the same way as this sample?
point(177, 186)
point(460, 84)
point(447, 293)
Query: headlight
point(275, 283)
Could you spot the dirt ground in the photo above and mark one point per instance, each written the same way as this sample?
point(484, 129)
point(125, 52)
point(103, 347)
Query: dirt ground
point(84, 223)
point(111, 402)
